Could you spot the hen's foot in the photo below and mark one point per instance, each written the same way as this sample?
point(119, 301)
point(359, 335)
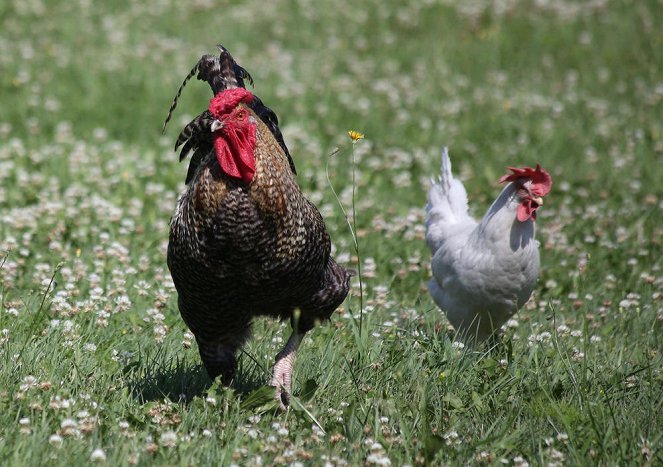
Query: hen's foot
point(282, 372)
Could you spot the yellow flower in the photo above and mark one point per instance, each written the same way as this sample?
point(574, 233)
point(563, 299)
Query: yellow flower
point(355, 135)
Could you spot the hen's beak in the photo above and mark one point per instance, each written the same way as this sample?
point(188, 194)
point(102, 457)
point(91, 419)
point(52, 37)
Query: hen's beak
point(538, 200)
point(216, 125)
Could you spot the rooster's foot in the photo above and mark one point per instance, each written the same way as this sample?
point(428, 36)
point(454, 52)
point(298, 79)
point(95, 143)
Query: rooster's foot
point(282, 372)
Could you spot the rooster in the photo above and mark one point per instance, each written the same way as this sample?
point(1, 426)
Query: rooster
point(483, 272)
point(244, 241)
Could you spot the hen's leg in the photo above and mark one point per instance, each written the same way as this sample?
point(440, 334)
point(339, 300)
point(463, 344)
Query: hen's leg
point(282, 372)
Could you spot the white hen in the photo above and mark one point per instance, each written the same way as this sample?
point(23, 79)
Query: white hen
point(483, 272)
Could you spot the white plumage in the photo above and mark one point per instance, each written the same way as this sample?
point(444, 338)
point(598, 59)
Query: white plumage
point(483, 272)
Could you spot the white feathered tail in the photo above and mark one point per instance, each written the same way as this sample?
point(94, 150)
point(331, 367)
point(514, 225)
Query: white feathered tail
point(447, 206)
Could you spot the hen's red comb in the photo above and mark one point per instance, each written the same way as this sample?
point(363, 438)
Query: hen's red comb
point(541, 180)
point(227, 100)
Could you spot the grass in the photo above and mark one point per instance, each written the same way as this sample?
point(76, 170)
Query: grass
point(93, 352)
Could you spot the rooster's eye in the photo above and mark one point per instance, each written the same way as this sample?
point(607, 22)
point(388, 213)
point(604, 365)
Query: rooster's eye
point(241, 114)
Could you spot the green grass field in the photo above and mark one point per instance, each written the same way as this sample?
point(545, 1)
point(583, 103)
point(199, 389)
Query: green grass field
point(96, 364)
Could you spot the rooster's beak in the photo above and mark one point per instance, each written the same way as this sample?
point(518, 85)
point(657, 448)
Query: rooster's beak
point(216, 125)
point(538, 200)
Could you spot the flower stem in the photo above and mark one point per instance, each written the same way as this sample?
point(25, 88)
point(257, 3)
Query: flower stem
point(356, 242)
point(352, 225)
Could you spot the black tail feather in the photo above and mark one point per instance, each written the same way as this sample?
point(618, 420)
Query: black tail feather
point(179, 93)
point(197, 130)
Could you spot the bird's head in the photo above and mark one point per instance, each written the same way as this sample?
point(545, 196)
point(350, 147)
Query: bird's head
point(531, 186)
point(234, 131)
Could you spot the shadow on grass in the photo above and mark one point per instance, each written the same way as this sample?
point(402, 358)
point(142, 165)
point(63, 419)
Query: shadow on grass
point(156, 376)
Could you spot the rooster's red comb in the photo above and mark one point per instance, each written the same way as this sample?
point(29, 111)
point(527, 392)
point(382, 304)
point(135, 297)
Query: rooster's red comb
point(225, 101)
point(541, 180)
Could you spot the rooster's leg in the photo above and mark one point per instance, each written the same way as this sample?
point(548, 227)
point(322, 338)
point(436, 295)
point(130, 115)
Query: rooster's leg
point(219, 360)
point(282, 372)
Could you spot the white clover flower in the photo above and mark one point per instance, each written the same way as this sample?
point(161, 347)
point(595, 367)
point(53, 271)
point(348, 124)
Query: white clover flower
point(168, 439)
point(556, 455)
point(55, 440)
point(123, 303)
point(100, 134)
point(378, 458)
point(631, 381)
point(451, 438)
point(543, 337)
point(317, 430)
point(160, 333)
point(29, 382)
point(375, 446)
point(343, 258)
point(577, 355)
point(68, 423)
point(563, 329)
point(98, 455)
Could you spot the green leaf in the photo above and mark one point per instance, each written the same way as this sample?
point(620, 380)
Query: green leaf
point(488, 363)
point(432, 444)
point(309, 389)
point(477, 400)
point(135, 419)
point(454, 401)
point(260, 400)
